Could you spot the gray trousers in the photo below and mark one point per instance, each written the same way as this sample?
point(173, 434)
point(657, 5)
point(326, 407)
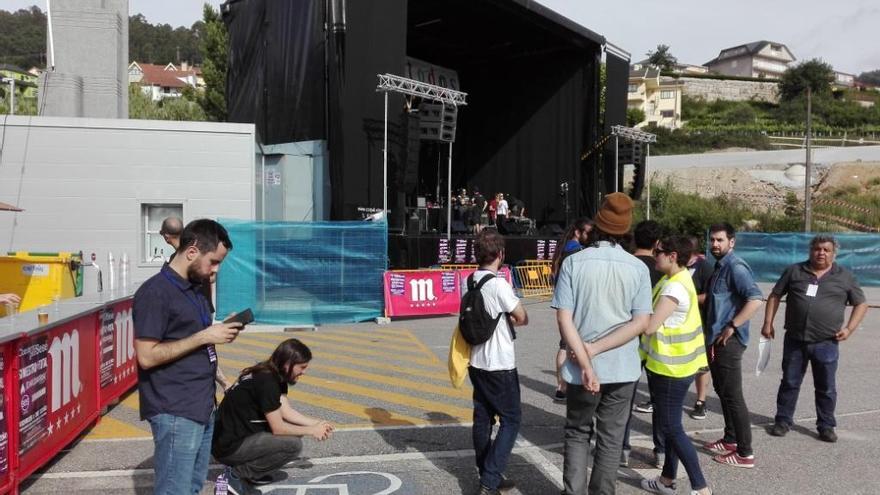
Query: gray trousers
point(610, 408)
point(261, 454)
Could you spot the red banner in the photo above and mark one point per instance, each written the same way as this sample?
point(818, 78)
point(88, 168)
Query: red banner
point(57, 394)
point(421, 292)
point(463, 275)
point(117, 366)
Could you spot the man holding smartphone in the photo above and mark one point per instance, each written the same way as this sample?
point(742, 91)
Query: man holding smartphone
point(177, 361)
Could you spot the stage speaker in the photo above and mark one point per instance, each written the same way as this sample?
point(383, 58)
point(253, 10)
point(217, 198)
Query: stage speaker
point(413, 225)
point(551, 230)
point(411, 161)
point(458, 227)
point(512, 227)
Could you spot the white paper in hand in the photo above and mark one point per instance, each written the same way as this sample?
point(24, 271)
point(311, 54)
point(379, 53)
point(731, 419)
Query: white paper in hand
point(764, 346)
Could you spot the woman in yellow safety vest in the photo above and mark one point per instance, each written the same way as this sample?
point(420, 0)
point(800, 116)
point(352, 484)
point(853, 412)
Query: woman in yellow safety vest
point(674, 349)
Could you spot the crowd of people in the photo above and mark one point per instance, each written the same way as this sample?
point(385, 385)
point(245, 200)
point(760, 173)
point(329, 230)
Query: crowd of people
point(664, 308)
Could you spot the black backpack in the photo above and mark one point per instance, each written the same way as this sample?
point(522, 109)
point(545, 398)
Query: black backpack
point(474, 322)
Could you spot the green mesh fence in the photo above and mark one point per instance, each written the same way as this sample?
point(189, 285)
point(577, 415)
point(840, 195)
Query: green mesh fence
point(304, 273)
point(769, 254)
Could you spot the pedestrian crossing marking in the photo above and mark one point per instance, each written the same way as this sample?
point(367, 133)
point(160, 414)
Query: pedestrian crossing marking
point(382, 395)
point(377, 378)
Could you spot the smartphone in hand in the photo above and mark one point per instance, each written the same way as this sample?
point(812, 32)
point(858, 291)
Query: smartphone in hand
point(244, 317)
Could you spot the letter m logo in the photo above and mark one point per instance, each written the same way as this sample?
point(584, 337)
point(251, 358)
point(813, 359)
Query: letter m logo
point(422, 290)
point(124, 328)
point(64, 355)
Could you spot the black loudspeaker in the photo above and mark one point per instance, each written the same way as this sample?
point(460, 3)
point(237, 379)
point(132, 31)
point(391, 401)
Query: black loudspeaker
point(412, 225)
point(512, 227)
point(458, 227)
point(551, 230)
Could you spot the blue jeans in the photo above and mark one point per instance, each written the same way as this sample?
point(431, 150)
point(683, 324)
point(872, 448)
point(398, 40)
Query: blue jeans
point(822, 357)
point(669, 396)
point(495, 393)
point(182, 453)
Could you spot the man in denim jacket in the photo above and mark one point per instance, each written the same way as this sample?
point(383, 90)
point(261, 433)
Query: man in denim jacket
point(732, 297)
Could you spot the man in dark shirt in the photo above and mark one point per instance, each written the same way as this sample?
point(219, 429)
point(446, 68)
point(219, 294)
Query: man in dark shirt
point(646, 236)
point(174, 343)
point(818, 292)
point(701, 272)
point(257, 432)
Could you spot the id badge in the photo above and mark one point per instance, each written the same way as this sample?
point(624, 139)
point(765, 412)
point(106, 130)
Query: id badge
point(212, 353)
point(812, 289)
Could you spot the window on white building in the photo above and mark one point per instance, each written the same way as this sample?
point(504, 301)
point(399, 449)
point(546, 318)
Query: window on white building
point(667, 95)
point(155, 249)
point(633, 88)
point(733, 64)
point(667, 114)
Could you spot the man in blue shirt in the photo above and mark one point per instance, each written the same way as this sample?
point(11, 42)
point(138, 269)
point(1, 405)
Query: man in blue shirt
point(174, 343)
point(600, 290)
point(732, 297)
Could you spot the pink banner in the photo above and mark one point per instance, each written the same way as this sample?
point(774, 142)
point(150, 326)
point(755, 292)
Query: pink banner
point(421, 292)
point(427, 292)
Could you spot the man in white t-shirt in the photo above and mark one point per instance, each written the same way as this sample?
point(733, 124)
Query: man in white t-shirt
point(492, 370)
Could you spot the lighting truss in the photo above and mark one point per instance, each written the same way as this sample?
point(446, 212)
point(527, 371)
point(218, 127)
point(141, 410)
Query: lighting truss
point(633, 134)
point(397, 84)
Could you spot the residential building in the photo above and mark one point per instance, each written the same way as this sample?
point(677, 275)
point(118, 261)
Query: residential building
point(761, 59)
point(168, 81)
point(844, 80)
point(676, 68)
point(658, 97)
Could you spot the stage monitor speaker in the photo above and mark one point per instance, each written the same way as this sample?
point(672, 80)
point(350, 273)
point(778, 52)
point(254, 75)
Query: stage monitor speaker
point(512, 227)
point(551, 230)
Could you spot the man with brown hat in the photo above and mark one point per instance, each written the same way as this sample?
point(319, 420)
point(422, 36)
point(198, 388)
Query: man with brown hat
point(600, 289)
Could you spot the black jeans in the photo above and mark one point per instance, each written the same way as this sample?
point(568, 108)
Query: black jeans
point(261, 454)
point(726, 368)
point(496, 393)
point(656, 433)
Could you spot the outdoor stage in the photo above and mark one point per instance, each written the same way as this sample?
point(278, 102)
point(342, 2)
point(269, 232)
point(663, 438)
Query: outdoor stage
point(423, 251)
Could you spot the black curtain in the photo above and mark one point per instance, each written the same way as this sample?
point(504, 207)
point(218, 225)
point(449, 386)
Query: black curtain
point(617, 81)
point(276, 68)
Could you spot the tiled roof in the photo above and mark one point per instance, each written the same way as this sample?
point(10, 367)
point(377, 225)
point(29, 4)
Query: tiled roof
point(156, 75)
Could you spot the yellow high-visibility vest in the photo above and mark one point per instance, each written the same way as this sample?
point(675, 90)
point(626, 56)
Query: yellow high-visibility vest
point(677, 352)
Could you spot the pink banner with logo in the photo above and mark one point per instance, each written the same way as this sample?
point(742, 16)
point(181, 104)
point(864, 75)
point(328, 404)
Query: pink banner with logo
point(463, 275)
point(421, 292)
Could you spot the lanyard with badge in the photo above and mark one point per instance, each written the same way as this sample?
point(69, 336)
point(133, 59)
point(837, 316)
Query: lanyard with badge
point(813, 288)
point(204, 313)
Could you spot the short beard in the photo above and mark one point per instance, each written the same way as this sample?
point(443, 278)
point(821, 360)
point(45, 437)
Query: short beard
point(193, 276)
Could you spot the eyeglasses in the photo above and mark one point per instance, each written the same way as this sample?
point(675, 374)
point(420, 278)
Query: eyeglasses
point(662, 251)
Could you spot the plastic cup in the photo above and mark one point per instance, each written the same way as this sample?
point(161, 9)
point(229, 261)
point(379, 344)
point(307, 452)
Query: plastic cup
point(43, 316)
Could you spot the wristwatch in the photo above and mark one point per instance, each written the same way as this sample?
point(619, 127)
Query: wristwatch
point(731, 325)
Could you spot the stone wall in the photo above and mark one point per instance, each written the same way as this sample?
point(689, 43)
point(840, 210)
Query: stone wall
point(720, 89)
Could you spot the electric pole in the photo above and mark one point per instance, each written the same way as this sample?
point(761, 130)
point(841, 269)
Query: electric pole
point(807, 179)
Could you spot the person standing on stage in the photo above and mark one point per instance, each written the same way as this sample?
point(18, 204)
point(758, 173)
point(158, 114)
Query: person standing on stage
point(501, 212)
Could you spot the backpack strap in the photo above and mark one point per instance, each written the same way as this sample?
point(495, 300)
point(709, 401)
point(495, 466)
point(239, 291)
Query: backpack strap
point(486, 278)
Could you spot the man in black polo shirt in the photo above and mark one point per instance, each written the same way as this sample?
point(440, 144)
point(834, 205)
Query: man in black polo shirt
point(257, 431)
point(818, 291)
point(174, 342)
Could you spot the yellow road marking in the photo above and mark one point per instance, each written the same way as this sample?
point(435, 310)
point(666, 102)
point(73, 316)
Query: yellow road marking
point(109, 427)
point(376, 416)
point(384, 395)
point(402, 338)
point(322, 357)
point(359, 341)
point(349, 349)
point(399, 382)
point(425, 349)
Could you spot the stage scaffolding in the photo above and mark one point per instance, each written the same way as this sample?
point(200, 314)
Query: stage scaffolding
point(389, 83)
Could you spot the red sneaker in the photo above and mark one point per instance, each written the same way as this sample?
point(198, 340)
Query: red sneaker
point(735, 460)
point(720, 447)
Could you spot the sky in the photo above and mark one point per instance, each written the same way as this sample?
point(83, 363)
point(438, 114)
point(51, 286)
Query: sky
point(841, 33)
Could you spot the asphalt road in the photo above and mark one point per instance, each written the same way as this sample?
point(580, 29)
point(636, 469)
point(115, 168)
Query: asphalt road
point(431, 453)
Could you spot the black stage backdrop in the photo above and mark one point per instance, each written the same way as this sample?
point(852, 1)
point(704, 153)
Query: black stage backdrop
point(617, 76)
point(531, 75)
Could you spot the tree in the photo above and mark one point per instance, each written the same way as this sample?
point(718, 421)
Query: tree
point(872, 77)
point(214, 47)
point(814, 74)
point(634, 116)
point(140, 106)
point(23, 38)
point(661, 58)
